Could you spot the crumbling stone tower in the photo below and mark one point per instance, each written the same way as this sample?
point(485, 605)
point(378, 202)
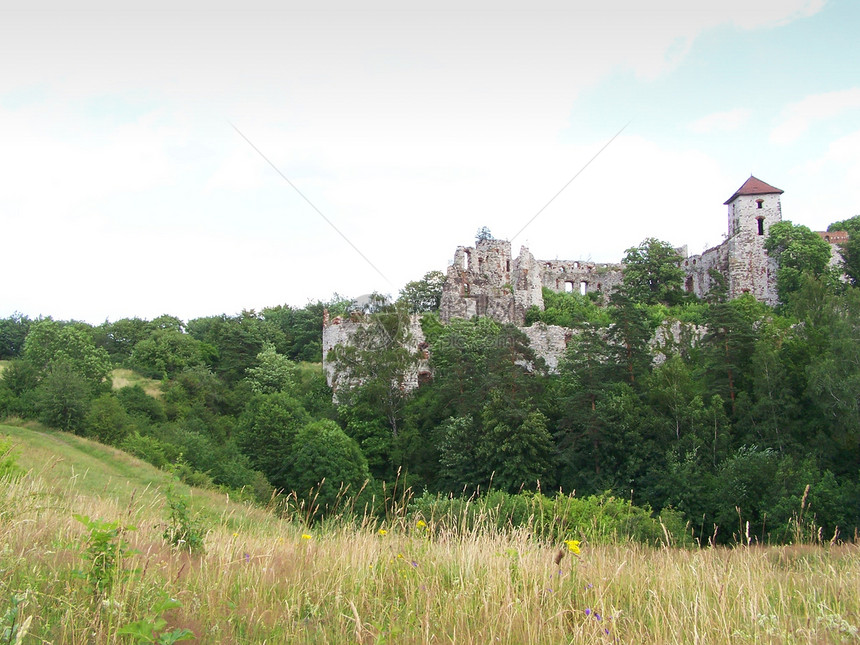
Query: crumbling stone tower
point(753, 209)
point(485, 280)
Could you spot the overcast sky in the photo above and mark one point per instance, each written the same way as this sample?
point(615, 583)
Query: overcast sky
point(126, 190)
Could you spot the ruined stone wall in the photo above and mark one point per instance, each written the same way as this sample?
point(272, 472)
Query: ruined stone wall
point(581, 277)
point(697, 269)
point(485, 281)
point(549, 342)
point(340, 331)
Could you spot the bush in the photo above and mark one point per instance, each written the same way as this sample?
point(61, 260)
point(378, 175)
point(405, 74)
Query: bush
point(107, 420)
point(598, 518)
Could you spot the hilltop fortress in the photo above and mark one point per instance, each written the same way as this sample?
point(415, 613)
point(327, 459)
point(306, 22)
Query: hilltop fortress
point(486, 280)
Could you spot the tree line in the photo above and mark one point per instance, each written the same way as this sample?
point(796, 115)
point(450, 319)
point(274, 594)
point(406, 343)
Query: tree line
point(749, 423)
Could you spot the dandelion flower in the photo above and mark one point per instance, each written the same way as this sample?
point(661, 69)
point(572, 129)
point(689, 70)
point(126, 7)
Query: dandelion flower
point(573, 546)
point(382, 532)
point(235, 535)
point(305, 536)
point(421, 524)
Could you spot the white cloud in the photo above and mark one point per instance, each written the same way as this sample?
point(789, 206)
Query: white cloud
point(721, 121)
point(798, 117)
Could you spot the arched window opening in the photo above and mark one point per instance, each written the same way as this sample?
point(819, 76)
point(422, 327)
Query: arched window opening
point(568, 286)
point(760, 221)
point(583, 288)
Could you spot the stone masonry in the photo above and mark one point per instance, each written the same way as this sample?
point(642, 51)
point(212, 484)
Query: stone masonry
point(485, 280)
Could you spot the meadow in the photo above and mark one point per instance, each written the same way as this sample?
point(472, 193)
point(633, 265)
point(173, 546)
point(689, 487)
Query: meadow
point(99, 547)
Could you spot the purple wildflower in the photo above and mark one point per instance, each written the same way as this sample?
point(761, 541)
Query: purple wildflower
point(587, 611)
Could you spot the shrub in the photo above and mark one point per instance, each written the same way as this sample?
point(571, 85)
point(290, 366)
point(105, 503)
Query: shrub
point(598, 518)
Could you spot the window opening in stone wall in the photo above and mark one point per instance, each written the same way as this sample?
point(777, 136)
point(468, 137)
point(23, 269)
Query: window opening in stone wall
point(760, 221)
point(508, 266)
point(468, 261)
point(688, 284)
point(576, 265)
point(759, 203)
point(568, 286)
point(583, 288)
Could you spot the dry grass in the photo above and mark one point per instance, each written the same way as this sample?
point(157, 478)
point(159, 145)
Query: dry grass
point(123, 377)
point(260, 581)
point(266, 583)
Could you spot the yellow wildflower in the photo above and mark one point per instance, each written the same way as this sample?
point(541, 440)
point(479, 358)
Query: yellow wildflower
point(305, 536)
point(421, 524)
point(573, 545)
point(383, 532)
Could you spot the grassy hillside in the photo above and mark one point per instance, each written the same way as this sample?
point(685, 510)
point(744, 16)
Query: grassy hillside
point(261, 579)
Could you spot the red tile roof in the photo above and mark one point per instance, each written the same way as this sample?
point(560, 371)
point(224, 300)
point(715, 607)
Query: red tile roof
point(753, 186)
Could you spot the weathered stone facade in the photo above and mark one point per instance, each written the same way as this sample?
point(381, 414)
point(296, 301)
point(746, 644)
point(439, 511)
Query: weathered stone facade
point(485, 280)
point(741, 258)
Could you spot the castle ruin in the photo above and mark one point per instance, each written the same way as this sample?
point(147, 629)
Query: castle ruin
point(486, 280)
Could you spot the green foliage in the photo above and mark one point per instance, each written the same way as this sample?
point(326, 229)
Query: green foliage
point(799, 252)
point(166, 353)
point(652, 273)
point(104, 549)
point(599, 519)
point(119, 338)
point(107, 420)
point(50, 342)
point(851, 249)
point(13, 332)
point(299, 329)
point(375, 366)
point(183, 531)
point(8, 463)
point(63, 398)
point(138, 403)
point(267, 431)
point(483, 235)
point(272, 373)
point(568, 310)
point(152, 628)
point(424, 295)
point(325, 464)
point(12, 628)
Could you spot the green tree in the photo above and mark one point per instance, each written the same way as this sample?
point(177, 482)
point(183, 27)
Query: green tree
point(63, 397)
point(728, 346)
point(376, 365)
point(236, 340)
point(325, 465)
point(107, 420)
point(119, 338)
point(424, 295)
point(514, 446)
point(630, 335)
point(483, 235)
point(834, 383)
point(267, 431)
point(273, 372)
point(13, 331)
point(652, 273)
point(50, 341)
point(798, 251)
point(166, 352)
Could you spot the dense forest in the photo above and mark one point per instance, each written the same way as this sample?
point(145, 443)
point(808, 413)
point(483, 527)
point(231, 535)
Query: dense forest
point(744, 425)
